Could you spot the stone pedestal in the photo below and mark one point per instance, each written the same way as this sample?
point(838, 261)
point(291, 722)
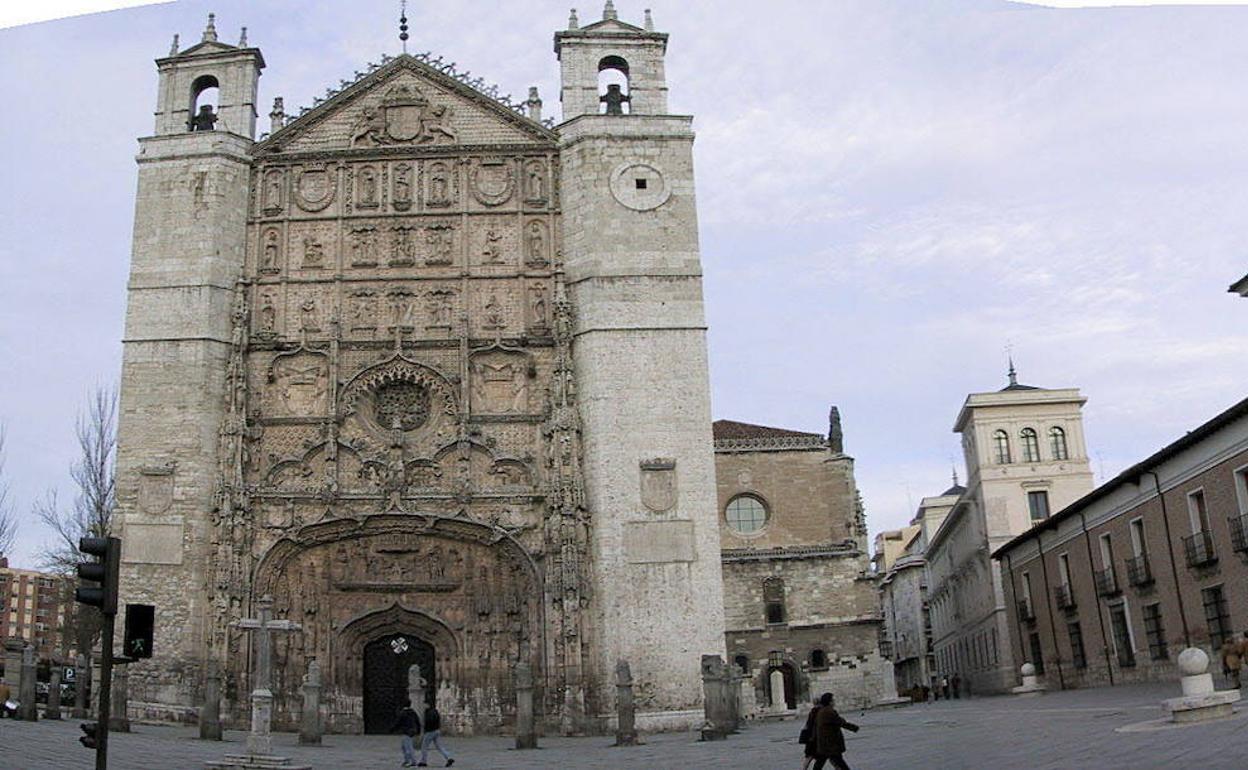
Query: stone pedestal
point(1031, 683)
point(625, 710)
point(119, 701)
point(260, 739)
point(53, 711)
point(1200, 701)
point(776, 680)
point(210, 709)
point(714, 682)
point(310, 720)
point(27, 708)
point(82, 683)
point(526, 724)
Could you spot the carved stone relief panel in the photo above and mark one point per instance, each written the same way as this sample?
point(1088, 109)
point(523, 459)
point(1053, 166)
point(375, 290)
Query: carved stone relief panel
point(400, 395)
point(267, 323)
point(312, 245)
point(494, 243)
point(536, 184)
point(273, 192)
point(314, 186)
point(441, 183)
point(492, 181)
point(364, 243)
point(298, 385)
point(367, 186)
point(363, 311)
point(155, 493)
point(440, 243)
point(501, 383)
point(537, 307)
point(494, 308)
point(403, 185)
point(536, 243)
point(440, 307)
point(309, 310)
point(403, 306)
point(269, 261)
point(405, 243)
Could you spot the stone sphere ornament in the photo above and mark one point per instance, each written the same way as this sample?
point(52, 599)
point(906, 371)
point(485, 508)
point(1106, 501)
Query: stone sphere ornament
point(1193, 662)
point(1028, 670)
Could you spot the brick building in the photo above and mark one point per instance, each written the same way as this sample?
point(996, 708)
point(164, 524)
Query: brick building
point(33, 607)
point(798, 596)
point(1111, 588)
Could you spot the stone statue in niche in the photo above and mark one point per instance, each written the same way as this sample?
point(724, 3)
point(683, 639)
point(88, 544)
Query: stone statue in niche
point(535, 243)
point(537, 305)
point(535, 182)
point(309, 319)
point(493, 313)
point(404, 252)
point(439, 185)
point(367, 197)
point(364, 246)
point(268, 259)
point(267, 314)
point(402, 307)
point(402, 187)
point(440, 239)
point(313, 253)
point(362, 313)
point(493, 251)
point(273, 192)
point(440, 309)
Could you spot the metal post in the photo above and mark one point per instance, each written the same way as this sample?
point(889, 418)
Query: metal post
point(106, 691)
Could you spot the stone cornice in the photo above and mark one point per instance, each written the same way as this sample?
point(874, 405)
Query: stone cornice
point(789, 552)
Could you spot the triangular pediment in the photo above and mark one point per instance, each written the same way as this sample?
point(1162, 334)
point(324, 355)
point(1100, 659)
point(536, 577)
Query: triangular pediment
point(406, 103)
point(612, 25)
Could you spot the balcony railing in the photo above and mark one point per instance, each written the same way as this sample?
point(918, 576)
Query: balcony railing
point(1064, 598)
point(1139, 571)
point(1239, 532)
point(1025, 612)
point(1199, 549)
point(1106, 582)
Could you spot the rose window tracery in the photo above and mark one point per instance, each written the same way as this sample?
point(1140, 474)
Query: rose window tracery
point(402, 405)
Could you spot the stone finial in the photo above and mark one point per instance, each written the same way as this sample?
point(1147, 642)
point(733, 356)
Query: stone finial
point(210, 31)
point(534, 105)
point(836, 437)
point(277, 115)
point(608, 12)
point(242, 38)
point(1012, 373)
point(573, 22)
point(173, 49)
point(649, 23)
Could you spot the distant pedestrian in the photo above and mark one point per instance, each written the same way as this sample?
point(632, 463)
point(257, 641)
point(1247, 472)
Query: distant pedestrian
point(944, 685)
point(807, 736)
point(956, 683)
point(1231, 660)
point(432, 737)
point(407, 723)
point(829, 740)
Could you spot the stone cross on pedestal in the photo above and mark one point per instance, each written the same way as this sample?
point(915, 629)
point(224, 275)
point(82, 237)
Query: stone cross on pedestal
point(260, 739)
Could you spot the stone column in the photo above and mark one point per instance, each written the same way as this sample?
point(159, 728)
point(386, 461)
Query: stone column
point(777, 691)
point(310, 720)
point(625, 711)
point(119, 703)
point(53, 711)
point(713, 698)
point(28, 708)
point(526, 724)
point(210, 709)
point(416, 690)
point(82, 681)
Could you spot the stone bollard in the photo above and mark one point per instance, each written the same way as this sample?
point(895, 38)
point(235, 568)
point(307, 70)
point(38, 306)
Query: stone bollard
point(210, 710)
point(28, 708)
point(416, 690)
point(625, 710)
point(310, 722)
point(53, 711)
point(526, 724)
point(776, 680)
point(1031, 683)
point(119, 701)
point(1200, 701)
point(713, 729)
point(82, 682)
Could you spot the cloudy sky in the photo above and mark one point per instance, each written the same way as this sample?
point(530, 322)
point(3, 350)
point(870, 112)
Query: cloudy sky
point(890, 193)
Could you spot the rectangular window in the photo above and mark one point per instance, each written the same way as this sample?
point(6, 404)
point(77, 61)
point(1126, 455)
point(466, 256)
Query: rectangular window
point(1077, 656)
point(1025, 604)
point(1122, 635)
point(1241, 490)
point(1156, 632)
point(1217, 616)
point(1038, 505)
point(1107, 552)
point(1063, 568)
point(1139, 546)
point(1198, 511)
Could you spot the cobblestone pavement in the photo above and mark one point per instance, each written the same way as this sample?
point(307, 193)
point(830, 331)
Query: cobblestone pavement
point(1057, 731)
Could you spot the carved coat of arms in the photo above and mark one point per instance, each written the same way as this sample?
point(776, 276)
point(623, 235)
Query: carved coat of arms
point(155, 489)
point(658, 484)
point(404, 116)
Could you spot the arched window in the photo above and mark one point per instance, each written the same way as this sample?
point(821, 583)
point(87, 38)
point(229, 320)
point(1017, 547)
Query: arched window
point(1057, 443)
point(1001, 446)
point(205, 95)
point(745, 514)
point(818, 659)
point(1031, 445)
point(613, 92)
point(773, 599)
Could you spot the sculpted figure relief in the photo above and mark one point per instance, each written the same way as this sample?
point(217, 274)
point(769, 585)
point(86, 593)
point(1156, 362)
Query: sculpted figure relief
point(268, 259)
point(535, 243)
point(363, 246)
point(440, 239)
point(440, 185)
point(313, 252)
point(367, 195)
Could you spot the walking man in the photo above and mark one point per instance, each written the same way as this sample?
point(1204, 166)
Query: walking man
point(432, 737)
point(829, 740)
point(407, 723)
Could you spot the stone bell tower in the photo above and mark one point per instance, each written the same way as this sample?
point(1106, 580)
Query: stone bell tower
point(188, 250)
point(634, 273)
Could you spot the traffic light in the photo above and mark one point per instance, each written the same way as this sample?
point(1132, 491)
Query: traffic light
point(90, 733)
point(140, 620)
point(107, 551)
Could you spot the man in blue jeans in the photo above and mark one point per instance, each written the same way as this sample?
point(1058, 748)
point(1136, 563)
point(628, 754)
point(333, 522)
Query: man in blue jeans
point(407, 723)
point(433, 734)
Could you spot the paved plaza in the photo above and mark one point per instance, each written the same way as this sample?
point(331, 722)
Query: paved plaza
point(1057, 731)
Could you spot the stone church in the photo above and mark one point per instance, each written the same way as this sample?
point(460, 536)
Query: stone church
point(431, 373)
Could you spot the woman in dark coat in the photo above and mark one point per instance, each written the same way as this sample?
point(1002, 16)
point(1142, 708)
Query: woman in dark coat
point(829, 740)
point(807, 736)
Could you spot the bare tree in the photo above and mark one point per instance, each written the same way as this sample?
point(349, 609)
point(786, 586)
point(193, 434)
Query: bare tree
point(91, 514)
point(8, 518)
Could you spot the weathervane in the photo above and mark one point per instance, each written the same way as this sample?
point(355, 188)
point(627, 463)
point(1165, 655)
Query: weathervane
point(403, 23)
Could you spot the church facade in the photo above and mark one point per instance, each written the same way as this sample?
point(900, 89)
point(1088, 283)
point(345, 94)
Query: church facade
point(432, 375)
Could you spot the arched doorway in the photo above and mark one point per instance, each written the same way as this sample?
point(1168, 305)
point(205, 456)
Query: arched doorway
point(386, 662)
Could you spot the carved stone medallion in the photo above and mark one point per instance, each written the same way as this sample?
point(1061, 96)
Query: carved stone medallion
point(493, 182)
point(315, 188)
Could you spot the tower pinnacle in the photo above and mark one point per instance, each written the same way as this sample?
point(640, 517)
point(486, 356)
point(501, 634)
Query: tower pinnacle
point(608, 12)
point(210, 31)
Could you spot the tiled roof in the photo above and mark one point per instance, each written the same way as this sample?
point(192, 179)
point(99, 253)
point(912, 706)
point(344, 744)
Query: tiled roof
point(731, 429)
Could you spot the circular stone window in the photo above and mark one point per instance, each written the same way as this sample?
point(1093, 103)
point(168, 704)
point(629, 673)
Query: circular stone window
point(746, 514)
point(639, 186)
point(401, 405)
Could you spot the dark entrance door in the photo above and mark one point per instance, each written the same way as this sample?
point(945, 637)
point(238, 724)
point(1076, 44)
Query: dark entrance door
point(386, 661)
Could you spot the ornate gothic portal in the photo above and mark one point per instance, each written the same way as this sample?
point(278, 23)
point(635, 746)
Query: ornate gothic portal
point(401, 454)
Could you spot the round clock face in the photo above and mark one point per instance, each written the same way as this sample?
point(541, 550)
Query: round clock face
point(639, 186)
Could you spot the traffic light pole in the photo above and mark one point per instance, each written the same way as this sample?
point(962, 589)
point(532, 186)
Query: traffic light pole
point(106, 692)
